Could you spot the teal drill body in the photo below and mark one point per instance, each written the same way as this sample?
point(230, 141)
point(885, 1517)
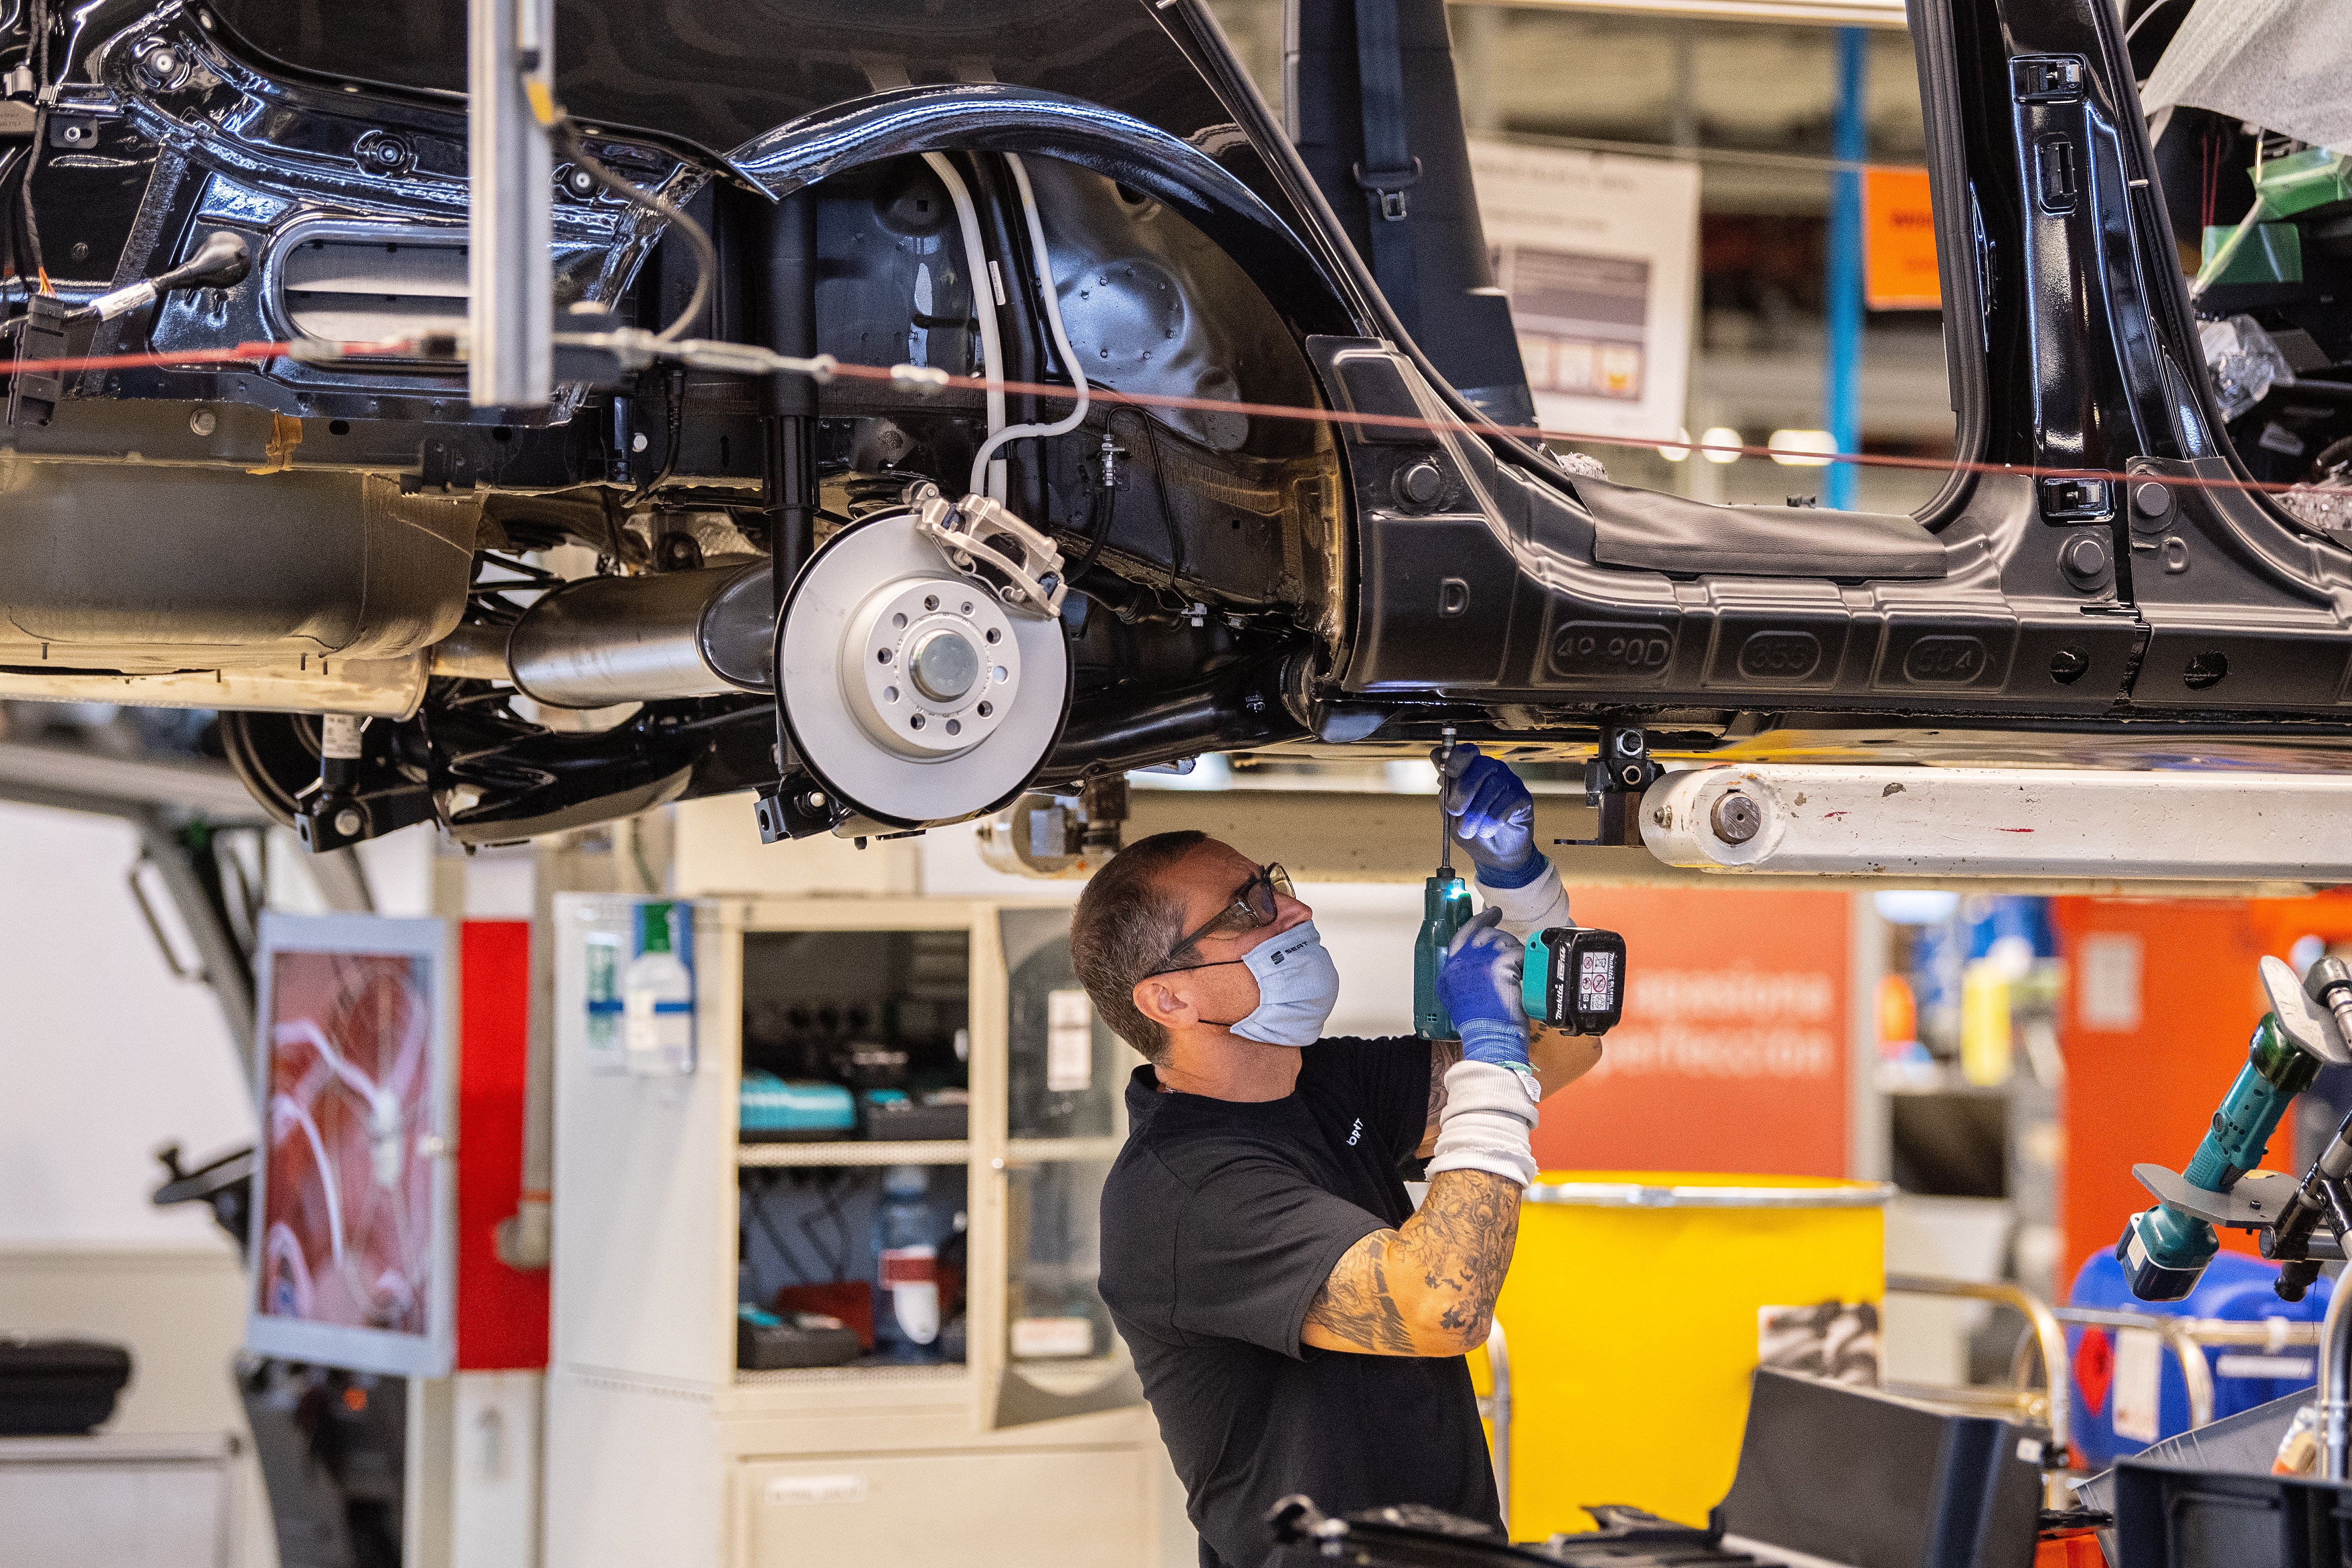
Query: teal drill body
point(2164, 1252)
point(1444, 910)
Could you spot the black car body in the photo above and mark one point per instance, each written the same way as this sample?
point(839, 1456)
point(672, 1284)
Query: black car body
point(2096, 581)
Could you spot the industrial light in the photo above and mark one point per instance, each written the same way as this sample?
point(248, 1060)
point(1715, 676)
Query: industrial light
point(1723, 436)
point(1804, 448)
point(1677, 454)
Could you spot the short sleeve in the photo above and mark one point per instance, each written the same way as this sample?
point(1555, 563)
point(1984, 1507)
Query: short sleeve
point(1255, 1242)
point(1387, 1076)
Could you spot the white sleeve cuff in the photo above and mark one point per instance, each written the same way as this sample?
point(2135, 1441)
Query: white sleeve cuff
point(1542, 902)
point(1488, 1114)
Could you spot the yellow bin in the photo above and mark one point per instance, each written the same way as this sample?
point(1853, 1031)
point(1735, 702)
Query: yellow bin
point(1630, 1326)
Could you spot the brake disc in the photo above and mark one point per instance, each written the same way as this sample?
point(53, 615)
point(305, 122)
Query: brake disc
point(915, 693)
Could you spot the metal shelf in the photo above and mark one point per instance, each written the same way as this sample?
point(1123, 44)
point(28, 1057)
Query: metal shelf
point(938, 1151)
point(884, 1371)
point(1045, 1151)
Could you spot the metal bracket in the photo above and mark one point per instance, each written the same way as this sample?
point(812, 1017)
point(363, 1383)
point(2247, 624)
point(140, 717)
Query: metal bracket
point(2257, 1200)
point(2312, 1030)
point(1613, 781)
point(794, 807)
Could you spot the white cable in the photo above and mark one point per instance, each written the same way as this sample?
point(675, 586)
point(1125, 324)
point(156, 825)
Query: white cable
point(1054, 321)
point(284, 1108)
point(983, 305)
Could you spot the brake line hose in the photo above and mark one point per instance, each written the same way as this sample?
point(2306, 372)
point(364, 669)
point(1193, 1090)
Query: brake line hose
point(984, 306)
point(1052, 307)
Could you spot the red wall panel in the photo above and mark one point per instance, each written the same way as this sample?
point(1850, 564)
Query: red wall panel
point(502, 1314)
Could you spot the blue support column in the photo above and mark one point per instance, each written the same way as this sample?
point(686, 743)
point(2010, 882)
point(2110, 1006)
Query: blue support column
point(1842, 398)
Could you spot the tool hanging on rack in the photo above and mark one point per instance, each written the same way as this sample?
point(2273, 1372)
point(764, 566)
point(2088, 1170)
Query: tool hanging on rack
point(2165, 1249)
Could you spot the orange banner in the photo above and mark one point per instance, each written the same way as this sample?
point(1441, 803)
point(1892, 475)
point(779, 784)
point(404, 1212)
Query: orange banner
point(1899, 241)
point(1732, 1052)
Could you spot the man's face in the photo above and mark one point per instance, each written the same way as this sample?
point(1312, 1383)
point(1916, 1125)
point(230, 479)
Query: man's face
point(1208, 881)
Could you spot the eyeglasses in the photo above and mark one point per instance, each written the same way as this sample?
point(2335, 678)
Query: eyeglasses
point(1253, 906)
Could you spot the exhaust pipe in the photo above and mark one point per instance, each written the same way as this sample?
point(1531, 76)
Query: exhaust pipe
point(603, 641)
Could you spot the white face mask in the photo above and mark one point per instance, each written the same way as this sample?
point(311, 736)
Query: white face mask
point(1298, 986)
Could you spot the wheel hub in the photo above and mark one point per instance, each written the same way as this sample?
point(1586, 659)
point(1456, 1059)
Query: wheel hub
point(929, 667)
point(915, 693)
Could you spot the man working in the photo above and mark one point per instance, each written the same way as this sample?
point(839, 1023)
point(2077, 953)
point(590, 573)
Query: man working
point(1298, 1327)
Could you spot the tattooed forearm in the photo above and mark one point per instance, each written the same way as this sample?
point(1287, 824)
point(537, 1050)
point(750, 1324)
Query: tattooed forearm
point(1463, 1235)
point(1356, 1307)
point(1428, 1287)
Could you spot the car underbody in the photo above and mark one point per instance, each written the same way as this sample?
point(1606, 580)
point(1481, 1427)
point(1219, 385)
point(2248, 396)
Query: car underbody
point(1275, 528)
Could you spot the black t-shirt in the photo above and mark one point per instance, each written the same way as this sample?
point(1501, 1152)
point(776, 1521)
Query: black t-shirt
point(1220, 1221)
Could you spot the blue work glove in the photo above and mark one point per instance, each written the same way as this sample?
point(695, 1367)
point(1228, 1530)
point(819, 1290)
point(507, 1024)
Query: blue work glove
point(1479, 984)
point(1492, 817)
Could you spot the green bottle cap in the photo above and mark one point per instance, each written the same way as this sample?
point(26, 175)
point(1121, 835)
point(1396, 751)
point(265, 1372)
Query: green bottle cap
point(653, 927)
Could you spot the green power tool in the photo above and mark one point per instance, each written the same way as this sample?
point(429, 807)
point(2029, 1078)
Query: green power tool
point(1445, 911)
point(1574, 976)
point(2164, 1250)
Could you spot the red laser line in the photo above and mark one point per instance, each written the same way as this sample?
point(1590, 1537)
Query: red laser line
point(1464, 428)
point(251, 351)
point(241, 352)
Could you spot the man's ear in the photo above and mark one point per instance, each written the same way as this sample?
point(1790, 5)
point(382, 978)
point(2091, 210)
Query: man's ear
point(1166, 1004)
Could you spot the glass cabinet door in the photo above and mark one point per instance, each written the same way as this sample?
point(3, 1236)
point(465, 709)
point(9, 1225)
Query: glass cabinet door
point(1067, 1082)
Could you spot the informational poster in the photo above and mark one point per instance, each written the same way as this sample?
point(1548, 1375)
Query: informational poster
point(1732, 1053)
point(1898, 249)
point(1598, 254)
point(350, 1234)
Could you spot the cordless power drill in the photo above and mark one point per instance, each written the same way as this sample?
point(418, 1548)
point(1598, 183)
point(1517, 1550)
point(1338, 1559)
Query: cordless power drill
point(1445, 911)
point(2164, 1251)
point(1573, 979)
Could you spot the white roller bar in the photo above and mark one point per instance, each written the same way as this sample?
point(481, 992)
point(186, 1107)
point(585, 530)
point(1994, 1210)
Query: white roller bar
point(2003, 821)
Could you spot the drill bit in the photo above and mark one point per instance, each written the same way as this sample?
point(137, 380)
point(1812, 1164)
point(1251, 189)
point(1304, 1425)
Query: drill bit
point(1445, 832)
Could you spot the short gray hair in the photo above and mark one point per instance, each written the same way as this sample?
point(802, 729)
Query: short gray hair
point(1123, 931)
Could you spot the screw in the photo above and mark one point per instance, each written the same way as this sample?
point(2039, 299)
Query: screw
point(348, 821)
point(2068, 665)
point(1735, 818)
point(202, 422)
point(1421, 483)
point(2083, 559)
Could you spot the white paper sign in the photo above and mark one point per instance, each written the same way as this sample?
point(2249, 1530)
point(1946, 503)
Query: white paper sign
point(1069, 1042)
point(787, 1491)
point(1598, 255)
point(2111, 982)
point(1035, 1338)
point(2139, 1385)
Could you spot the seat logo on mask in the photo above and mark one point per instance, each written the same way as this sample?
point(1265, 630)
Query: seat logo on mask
point(1298, 986)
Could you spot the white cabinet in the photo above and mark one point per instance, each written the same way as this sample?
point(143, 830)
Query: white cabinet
point(117, 1501)
point(1018, 1429)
